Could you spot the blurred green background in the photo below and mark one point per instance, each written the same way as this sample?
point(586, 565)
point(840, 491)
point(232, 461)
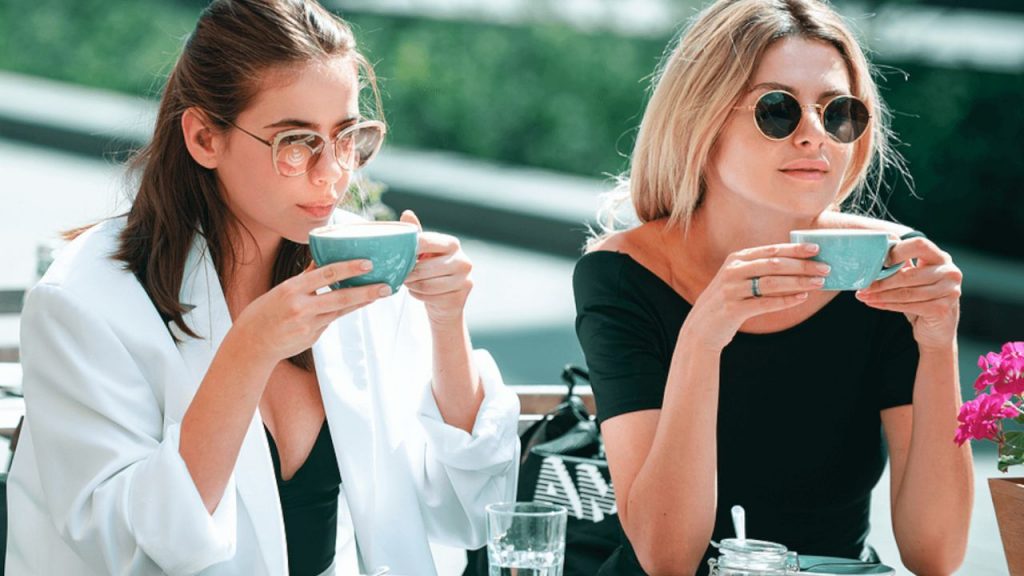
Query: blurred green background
point(550, 95)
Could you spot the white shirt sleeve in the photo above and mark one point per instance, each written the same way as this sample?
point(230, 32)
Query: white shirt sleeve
point(116, 486)
point(458, 473)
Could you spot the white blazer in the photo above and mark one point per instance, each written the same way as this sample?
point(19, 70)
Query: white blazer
point(98, 486)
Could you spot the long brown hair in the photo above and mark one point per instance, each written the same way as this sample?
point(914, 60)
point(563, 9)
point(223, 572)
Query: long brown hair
point(234, 45)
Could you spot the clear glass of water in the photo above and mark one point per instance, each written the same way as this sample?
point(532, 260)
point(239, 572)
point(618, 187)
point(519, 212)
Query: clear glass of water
point(526, 539)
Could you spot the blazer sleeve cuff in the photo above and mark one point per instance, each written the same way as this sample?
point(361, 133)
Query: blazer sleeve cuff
point(492, 446)
point(169, 519)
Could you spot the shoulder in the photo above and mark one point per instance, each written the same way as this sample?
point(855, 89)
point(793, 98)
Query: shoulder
point(844, 220)
point(88, 260)
point(616, 250)
point(86, 271)
point(624, 267)
point(644, 244)
point(628, 241)
point(598, 273)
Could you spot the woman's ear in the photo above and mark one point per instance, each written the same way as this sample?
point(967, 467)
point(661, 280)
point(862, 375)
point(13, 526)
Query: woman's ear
point(205, 142)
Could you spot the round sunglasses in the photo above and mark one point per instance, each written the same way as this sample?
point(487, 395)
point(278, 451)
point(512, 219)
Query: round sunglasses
point(777, 114)
point(295, 152)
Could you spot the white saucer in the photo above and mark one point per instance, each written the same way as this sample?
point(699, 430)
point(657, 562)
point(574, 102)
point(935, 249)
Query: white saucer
point(831, 566)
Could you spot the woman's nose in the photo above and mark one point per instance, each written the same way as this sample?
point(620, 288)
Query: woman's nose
point(327, 169)
point(811, 129)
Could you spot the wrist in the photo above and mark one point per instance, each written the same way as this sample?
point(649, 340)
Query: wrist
point(447, 323)
point(242, 345)
point(937, 350)
point(697, 341)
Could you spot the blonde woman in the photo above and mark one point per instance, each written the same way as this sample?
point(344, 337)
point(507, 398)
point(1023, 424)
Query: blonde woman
point(723, 373)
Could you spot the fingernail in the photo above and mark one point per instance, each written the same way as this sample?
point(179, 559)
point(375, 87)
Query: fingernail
point(818, 281)
point(384, 291)
point(812, 248)
point(823, 268)
point(366, 265)
point(801, 296)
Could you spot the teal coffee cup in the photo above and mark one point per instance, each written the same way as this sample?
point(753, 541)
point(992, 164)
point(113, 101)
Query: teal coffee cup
point(857, 257)
point(391, 246)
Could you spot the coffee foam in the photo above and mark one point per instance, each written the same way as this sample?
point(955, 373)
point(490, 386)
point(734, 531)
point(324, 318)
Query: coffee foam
point(363, 230)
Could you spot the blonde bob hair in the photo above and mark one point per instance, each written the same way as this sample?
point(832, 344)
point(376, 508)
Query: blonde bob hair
point(699, 81)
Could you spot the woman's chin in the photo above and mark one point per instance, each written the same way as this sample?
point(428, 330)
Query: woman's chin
point(298, 236)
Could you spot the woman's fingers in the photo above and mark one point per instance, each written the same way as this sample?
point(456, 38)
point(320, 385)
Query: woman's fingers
point(437, 285)
point(778, 285)
point(439, 266)
point(910, 277)
point(930, 309)
point(921, 249)
point(800, 251)
point(410, 217)
point(344, 298)
point(433, 243)
point(317, 278)
point(328, 317)
point(778, 266)
point(767, 304)
point(911, 294)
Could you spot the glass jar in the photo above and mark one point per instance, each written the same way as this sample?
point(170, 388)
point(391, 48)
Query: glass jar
point(753, 558)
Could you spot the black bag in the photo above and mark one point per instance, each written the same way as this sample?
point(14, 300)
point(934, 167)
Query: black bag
point(563, 462)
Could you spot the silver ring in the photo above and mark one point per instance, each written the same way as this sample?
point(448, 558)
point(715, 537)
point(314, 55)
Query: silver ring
point(755, 286)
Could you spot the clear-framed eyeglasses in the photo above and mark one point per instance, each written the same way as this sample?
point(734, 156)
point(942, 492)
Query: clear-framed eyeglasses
point(294, 152)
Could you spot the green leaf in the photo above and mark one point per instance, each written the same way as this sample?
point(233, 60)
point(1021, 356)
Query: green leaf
point(1007, 460)
point(1011, 453)
point(1015, 439)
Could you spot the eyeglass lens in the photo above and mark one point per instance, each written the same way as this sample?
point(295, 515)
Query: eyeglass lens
point(778, 114)
point(298, 152)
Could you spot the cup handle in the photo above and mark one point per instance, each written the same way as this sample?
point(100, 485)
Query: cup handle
point(887, 271)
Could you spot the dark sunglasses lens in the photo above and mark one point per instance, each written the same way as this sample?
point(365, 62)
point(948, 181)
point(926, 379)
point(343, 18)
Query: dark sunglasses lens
point(846, 118)
point(777, 114)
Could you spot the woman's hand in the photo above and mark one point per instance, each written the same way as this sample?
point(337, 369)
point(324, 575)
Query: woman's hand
point(290, 317)
point(928, 293)
point(785, 277)
point(441, 276)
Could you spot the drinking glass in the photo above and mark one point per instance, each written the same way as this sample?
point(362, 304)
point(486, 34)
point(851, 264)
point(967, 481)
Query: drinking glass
point(526, 539)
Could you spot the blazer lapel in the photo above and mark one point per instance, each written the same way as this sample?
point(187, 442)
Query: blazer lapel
point(368, 415)
point(341, 367)
point(254, 471)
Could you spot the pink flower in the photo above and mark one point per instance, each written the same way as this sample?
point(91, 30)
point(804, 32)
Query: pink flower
point(991, 372)
point(1011, 368)
point(979, 418)
point(1013, 349)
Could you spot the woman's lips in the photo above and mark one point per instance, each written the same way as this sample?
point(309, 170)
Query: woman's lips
point(317, 210)
point(810, 175)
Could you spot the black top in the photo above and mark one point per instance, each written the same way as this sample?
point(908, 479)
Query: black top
point(309, 503)
point(800, 443)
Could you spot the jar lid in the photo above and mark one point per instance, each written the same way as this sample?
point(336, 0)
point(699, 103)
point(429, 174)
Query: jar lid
point(749, 546)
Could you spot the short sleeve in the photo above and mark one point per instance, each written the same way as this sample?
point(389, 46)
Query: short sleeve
point(896, 365)
point(621, 340)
